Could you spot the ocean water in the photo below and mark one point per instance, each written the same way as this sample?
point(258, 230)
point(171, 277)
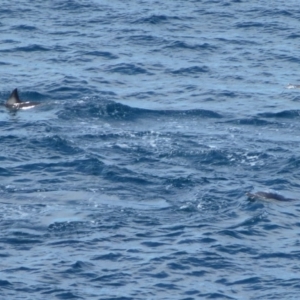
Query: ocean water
point(129, 181)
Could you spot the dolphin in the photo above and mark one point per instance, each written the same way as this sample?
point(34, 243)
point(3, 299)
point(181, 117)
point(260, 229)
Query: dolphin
point(267, 196)
point(14, 102)
point(293, 86)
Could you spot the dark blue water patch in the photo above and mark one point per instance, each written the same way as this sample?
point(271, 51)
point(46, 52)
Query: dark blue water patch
point(285, 57)
point(55, 142)
point(79, 266)
point(275, 12)
point(235, 249)
point(20, 269)
point(292, 165)
point(229, 94)
point(5, 172)
point(185, 46)
point(5, 12)
point(250, 121)
point(145, 220)
point(181, 182)
point(145, 95)
point(5, 283)
point(160, 275)
point(144, 40)
point(216, 157)
point(128, 69)
point(74, 6)
point(212, 260)
point(67, 295)
point(31, 48)
point(231, 233)
point(155, 19)
point(249, 24)
point(206, 240)
point(105, 54)
point(68, 83)
point(23, 180)
point(66, 230)
point(21, 240)
point(91, 166)
point(118, 111)
point(293, 36)
point(177, 266)
point(175, 232)
point(69, 89)
point(48, 182)
point(65, 32)
point(289, 114)
point(15, 125)
point(60, 169)
point(58, 144)
point(52, 291)
point(239, 42)
point(275, 227)
point(24, 28)
point(10, 139)
point(115, 279)
point(151, 244)
point(123, 175)
point(218, 13)
point(168, 286)
point(277, 183)
point(110, 256)
point(214, 296)
point(4, 63)
point(119, 298)
point(190, 70)
point(250, 280)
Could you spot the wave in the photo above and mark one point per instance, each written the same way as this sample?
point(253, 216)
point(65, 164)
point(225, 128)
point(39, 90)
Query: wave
point(183, 45)
point(249, 121)
point(24, 27)
point(118, 111)
point(289, 114)
point(190, 70)
point(155, 19)
point(127, 69)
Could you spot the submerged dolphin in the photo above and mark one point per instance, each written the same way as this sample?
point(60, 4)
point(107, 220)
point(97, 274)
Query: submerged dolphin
point(267, 196)
point(14, 102)
point(293, 86)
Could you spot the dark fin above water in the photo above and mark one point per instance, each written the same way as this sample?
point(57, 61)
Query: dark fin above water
point(13, 98)
point(14, 102)
point(268, 196)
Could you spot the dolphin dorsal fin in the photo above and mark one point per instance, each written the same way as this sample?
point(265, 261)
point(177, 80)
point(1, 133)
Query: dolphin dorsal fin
point(13, 98)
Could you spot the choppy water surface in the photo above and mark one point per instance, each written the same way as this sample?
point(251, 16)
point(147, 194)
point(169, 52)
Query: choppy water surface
point(129, 181)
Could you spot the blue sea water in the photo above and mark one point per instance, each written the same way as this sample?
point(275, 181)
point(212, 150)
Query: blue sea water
point(129, 181)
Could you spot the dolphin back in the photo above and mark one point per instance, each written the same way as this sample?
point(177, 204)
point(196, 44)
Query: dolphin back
point(14, 102)
point(267, 196)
